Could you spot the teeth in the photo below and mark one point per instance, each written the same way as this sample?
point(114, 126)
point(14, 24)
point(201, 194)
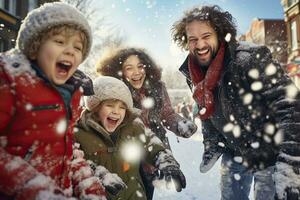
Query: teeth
point(66, 63)
point(202, 52)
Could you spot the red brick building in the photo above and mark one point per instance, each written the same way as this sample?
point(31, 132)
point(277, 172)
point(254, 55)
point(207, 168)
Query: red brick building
point(272, 33)
point(292, 20)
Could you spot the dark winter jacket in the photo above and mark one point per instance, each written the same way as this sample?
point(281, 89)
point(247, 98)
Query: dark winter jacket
point(106, 149)
point(36, 125)
point(253, 112)
point(161, 113)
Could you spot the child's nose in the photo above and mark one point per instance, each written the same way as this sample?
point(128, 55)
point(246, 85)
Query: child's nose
point(69, 50)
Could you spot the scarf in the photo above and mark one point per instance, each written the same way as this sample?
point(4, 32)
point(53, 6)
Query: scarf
point(205, 83)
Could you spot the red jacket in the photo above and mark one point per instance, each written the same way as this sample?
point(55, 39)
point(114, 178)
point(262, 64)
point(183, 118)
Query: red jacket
point(34, 125)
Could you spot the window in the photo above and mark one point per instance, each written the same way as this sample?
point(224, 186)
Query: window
point(294, 35)
point(12, 6)
point(291, 2)
point(2, 4)
point(32, 4)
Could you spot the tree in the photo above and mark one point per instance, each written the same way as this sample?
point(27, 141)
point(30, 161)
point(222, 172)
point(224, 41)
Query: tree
point(105, 34)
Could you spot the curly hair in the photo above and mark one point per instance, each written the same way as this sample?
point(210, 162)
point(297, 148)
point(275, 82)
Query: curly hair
point(112, 64)
point(222, 22)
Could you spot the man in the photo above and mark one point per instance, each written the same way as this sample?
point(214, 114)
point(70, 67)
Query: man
point(249, 108)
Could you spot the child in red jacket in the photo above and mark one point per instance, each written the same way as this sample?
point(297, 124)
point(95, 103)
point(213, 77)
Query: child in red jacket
point(41, 89)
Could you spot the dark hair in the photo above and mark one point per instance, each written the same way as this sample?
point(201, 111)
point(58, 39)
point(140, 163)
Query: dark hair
point(222, 22)
point(112, 64)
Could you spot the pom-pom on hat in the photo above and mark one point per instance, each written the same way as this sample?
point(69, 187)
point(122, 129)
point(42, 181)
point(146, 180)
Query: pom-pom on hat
point(47, 16)
point(107, 87)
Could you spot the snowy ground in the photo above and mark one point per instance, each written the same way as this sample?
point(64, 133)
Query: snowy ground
point(199, 186)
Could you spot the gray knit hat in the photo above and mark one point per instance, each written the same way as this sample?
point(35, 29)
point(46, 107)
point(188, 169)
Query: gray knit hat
point(48, 16)
point(107, 87)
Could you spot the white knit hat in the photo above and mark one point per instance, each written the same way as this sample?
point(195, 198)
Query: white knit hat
point(47, 16)
point(107, 87)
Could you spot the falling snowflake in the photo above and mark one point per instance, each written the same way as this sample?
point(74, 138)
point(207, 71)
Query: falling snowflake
point(61, 126)
point(28, 107)
point(148, 102)
point(228, 37)
point(132, 151)
point(269, 129)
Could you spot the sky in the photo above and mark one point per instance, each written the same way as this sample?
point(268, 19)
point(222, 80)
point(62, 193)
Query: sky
point(147, 23)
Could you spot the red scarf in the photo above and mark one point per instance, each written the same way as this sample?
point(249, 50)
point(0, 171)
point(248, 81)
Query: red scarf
point(206, 83)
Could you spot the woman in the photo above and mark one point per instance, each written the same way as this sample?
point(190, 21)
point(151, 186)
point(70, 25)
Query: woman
point(143, 77)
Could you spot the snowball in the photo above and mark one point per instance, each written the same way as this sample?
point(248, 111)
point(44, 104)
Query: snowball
point(148, 102)
point(247, 99)
point(269, 128)
point(237, 177)
point(255, 145)
point(270, 69)
point(238, 159)
point(256, 86)
point(278, 138)
point(291, 91)
point(236, 131)
point(228, 127)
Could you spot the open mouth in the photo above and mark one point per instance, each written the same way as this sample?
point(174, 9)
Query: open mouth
point(63, 67)
point(112, 121)
point(202, 52)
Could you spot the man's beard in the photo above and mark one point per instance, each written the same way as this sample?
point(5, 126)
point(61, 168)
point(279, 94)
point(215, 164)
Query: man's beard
point(205, 64)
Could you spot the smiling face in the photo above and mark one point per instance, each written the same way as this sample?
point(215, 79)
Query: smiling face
point(134, 71)
point(60, 55)
point(111, 114)
point(202, 41)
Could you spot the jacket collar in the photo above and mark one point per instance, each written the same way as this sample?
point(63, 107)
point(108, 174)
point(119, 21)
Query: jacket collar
point(77, 80)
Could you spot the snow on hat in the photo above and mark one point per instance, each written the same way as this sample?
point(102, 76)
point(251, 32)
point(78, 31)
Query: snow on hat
point(107, 87)
point(47, 16)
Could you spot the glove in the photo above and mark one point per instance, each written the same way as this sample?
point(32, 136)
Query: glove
point(169, 170)
point(111, 181)
point(86, 184)
point(186, 128)
point(286, 179)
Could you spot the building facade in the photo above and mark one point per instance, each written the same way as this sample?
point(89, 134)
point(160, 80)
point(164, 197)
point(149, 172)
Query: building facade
point(11, 14)
point(292, 20)
point(272, 33)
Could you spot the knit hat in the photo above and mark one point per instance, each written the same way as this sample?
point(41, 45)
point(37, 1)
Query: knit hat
point(47, 16)
point(107, 87)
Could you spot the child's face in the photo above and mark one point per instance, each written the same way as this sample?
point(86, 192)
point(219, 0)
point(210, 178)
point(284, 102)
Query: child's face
point(134, 71)
point(59, 56)
point(111, 114)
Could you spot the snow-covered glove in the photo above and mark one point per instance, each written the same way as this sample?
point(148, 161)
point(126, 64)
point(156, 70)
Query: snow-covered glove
point(111, 181)
point(287, 176)
point(86, 184)
point(19, 179)
point(186, 128)
point(169, 170)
